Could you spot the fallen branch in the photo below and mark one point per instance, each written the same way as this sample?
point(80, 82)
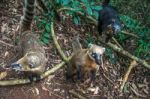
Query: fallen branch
point(125, 53)
point(131, 34)
point(132, 65)
point(7, 44)
point(56, 43)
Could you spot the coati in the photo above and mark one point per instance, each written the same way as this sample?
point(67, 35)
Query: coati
point(84, 61)
point(108, 21)
point(34, 61)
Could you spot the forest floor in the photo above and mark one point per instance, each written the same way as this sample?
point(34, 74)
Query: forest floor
point(108, 80)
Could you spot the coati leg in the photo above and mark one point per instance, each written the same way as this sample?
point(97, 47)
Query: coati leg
point(32, 77)
point(69, 74)
point(93, 75)
point(80, 74)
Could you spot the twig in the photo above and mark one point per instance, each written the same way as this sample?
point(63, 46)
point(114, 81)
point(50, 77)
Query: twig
point(76, 94)
point(6, 43)
point(117, 42)
point(131, 34)
point(132, 65)
point(56, 43)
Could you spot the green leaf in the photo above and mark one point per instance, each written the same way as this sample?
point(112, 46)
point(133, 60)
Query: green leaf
point(45, 40)
point(46, 35)
point(47, 27)
point(95, 13)
point(65, 2)
point(97, 8)
point(89, 11)
point(84, 1)
point(76, 20)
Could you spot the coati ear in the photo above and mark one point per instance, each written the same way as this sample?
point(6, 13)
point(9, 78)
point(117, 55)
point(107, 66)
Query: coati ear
point(103, 49)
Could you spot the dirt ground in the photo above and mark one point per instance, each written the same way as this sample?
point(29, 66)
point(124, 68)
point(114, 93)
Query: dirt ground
point(108, 80)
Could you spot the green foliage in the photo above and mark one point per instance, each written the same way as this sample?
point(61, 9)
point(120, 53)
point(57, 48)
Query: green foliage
point(144, 33)
point(111, 56)
point(89, 40)
point(43, 23)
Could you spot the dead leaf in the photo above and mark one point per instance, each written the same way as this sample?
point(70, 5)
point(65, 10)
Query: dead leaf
point(44, 88)
point(6, 54)
point(57, 90)
point(4, 27)
point(96, 90)
point(3, 75)
point(37, 91)
point(91, 89)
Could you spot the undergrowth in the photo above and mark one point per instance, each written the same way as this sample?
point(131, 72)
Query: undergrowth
point(91, 8)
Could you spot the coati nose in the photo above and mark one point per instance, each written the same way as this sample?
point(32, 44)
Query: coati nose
point(116, 28)
point(16, 66)
point(97, 59)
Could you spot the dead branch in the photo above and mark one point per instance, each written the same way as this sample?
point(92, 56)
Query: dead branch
point(132, 65)
point(7, 44)
point(131, 34)
point(56, 43)
point(126, 53)
point(114, 47)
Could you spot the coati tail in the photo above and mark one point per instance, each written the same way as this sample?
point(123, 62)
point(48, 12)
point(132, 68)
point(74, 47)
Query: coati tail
point(28, 14)
point(76, 45)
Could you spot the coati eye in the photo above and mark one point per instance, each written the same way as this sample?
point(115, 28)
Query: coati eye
point(31, 65)
point(94, 55)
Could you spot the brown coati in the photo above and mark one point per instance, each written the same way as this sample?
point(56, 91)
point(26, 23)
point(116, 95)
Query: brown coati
point(34, 61)
point(84, 61)
point(108, 21)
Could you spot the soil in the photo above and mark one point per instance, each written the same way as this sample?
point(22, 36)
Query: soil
point(55, 86)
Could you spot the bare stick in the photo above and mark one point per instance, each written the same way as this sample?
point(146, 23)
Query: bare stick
point(6, 43)
point(132, 65)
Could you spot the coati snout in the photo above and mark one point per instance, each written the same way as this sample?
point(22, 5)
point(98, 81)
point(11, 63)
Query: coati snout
point(96, 52)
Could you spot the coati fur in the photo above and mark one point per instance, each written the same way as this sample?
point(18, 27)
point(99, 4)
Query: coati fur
point(108, 21)
point(84, 61)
